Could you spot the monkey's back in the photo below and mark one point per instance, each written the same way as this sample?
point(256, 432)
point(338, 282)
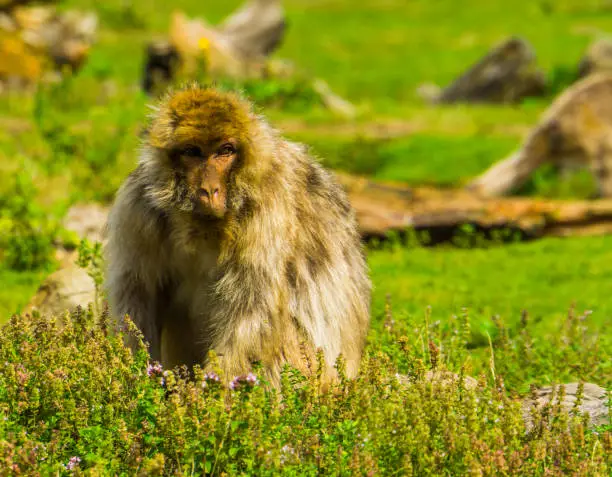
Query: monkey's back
point(328, 276)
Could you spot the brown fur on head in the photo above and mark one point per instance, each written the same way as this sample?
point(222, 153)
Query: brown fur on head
point(199, 138)
point(274, 263)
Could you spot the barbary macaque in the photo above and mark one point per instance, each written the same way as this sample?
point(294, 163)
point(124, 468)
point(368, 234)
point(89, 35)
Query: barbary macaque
point(229, 238)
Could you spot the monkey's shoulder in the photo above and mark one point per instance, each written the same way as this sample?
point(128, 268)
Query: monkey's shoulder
point(323, 187)
point(133, 209)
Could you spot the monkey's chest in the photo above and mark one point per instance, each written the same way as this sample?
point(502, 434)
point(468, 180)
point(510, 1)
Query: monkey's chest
point(192, 279)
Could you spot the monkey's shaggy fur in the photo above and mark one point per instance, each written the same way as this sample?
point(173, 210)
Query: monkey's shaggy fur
point(280, 275)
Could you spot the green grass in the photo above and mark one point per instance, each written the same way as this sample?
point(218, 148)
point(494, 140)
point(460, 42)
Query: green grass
point(17, 289)
point(374, 53)
point(545, 278)
point(417, 159)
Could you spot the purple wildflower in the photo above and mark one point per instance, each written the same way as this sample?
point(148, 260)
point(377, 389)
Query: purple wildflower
point(210, 377)
point(154, 369)
point(249, 379)
point(252, 379)
point(73, 462)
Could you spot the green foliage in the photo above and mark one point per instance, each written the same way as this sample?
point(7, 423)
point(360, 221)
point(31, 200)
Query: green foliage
point(123, 14)
point(560, 78)
point(26, 232)
point(73, 398)
point(288, 94)
point(53, 114)
point(574, 349)
point(90, 258)
point(546, 182)
point(468, 236)
point(17, 289)
point(361, 155)
point(119, 15)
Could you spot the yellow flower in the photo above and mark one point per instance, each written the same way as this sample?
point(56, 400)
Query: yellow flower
point(204, 44)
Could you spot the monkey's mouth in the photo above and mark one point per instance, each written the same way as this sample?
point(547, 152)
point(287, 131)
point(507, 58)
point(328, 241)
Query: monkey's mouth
point(205, 212)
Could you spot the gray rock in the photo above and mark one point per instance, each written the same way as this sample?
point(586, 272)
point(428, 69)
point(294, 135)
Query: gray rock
point(87, 221)
point(63, 291)
point(507, 74)
point(594, 402)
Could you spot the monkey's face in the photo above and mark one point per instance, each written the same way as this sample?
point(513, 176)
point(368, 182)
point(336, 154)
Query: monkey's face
point(203, 136)
point(206, 173)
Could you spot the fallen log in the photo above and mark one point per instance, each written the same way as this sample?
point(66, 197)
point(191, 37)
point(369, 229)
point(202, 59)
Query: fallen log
point(385, 208)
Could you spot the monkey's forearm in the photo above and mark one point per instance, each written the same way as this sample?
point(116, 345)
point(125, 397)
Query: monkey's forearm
point(131, 298)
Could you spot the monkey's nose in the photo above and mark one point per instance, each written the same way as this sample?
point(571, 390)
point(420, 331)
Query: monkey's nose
point(209, 193)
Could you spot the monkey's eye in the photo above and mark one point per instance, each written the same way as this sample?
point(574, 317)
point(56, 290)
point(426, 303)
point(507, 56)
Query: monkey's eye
point(191, 151)
point(226, 150)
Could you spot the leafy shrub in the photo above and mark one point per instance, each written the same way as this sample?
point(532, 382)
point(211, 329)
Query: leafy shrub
point(90, 258)
point(550, 182)
point(570, 352)
point(74, 399)
point(26, 233)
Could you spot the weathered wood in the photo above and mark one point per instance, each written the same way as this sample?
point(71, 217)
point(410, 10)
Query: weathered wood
point(40, 42)
point(238, 47)
point(384, 207)
point(597, 59)
point(576, 130)
point(257, 28)
point(506, 74)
